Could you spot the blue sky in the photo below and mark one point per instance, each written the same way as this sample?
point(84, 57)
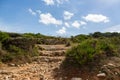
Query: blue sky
point(60, 17)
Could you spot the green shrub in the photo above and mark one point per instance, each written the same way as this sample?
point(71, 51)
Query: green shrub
point(0, 45)
point(18, 50)
point(17, 55)
point(79, 38)
point(7, 58)
point(88, 50)
point(22, 43)
point(3, 36)
point(12, 53)
point(13, 48)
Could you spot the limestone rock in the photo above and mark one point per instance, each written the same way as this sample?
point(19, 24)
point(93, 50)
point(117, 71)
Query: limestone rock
point(101, 75)
point(27, 78)
point(75, 78)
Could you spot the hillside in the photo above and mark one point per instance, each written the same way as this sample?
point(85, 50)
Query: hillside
point(38, 57)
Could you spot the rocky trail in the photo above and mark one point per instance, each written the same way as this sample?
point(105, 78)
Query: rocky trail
point(47, 66)
point(42, 67)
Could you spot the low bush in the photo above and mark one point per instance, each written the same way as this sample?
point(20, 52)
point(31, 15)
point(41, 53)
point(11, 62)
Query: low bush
point(90, 51)
point(23, 43)
point(18, 50)
point(17, 55)
point(3, 36)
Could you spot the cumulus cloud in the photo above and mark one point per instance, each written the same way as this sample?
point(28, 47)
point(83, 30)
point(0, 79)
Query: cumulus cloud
point(47, 18)
point(31, 12)
point(53, 2)
point(77, 24)
point(68, 15)
point(115, 28)
point(49, 2)
point(61, 31)
point(67, 24)
point(96, 18)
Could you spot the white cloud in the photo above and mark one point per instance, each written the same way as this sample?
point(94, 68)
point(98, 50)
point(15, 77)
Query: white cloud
point(76, 24)
point(115, 28)
point(49, 19)
point(68, 15)
point(96, 18)
point(49, 2)
point(61, 1)
point(53, 2)
point(67, 24)
point(32, 12)
point(83, 23)
point(61, 31)
point(38, 11)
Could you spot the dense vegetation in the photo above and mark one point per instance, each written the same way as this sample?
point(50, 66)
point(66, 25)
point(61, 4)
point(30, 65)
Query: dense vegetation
point(20, 48)
point(91, 51)
point(94, 47)
point(15, 47)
